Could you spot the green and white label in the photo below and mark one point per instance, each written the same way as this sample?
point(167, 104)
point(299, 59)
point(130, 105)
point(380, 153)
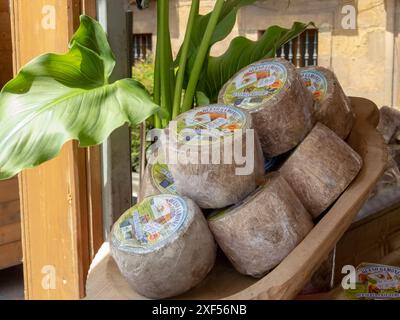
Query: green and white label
point(149, 224)
point(256, 85)
point(209, 124)
point(376, 281)
point(162, 178)
point(315, 82)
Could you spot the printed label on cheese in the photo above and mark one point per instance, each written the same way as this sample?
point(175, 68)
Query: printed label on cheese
point(376, 281)
point(162, 178)
point(209, 124)
point(149, 224)
point(255, 85)
point(315, 82)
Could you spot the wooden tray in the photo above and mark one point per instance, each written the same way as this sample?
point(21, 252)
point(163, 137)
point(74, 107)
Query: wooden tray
point(289, 277)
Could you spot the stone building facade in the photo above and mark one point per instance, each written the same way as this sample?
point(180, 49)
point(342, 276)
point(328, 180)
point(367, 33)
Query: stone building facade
point(366, 58)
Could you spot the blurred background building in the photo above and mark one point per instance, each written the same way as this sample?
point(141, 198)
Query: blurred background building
point(358, 40)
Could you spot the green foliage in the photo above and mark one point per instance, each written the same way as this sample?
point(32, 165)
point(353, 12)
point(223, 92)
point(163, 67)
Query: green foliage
point(142, 71)
point(215, 71)
point(56, 98)
point(242, 52)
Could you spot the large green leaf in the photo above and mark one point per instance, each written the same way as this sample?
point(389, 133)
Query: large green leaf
point(242, 52)
point(56, 98)
point(91, 35)
point(225, 25)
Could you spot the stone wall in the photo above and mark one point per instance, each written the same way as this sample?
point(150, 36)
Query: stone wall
point(366, 60)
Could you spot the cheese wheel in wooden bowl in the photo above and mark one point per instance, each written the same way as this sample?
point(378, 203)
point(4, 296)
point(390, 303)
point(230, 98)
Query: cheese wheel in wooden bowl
point(219, 160)
point(163, 246)
point(321, 168)
point(332, 106)
point(278, 100)
point(258, 233)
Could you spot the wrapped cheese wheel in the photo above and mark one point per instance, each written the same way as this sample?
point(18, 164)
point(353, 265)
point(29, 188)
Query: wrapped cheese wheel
point(321, 168)
point(257, 234)
point(389, 124)
point(280, 104)
point(157, 179)
point(219, 158)
point(332, 106)
point(163, 246)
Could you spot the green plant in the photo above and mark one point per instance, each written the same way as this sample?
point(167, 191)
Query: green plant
point(142, 71)
point(56, 98)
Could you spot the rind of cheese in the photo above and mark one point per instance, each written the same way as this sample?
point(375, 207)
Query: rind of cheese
point(206, 176)
point(332, 106)
point(389, 124)
point(321, 168)
point(257, 234)
point(163, 246)
point(280, 104)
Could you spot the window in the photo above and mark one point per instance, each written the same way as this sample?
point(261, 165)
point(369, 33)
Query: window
point(302, 51)
point(142, 46)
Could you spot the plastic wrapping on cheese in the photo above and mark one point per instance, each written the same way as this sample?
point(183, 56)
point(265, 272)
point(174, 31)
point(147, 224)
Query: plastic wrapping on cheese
point(332, 106)
point(257, 234)
point(280, 104)
point(163, 246)
point(157, 179)
point(321, 168)
point(219, 158)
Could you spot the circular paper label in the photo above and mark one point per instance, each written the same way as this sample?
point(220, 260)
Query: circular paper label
point(149, 224)
point(316, 82)
point(209, 124)
point(256, 84)
point(162, 178)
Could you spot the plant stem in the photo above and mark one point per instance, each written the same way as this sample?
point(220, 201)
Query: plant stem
point(157, 85)
point(201, 55)
point(165, 58)
point(194, 10)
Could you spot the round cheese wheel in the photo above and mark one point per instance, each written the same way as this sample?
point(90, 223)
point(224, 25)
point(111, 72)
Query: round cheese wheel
point(280, 104)
point(163, 246)
point(157, 179)
point(219, 157)
point(332, 106)
point(389, 124)
point(321, 168)
point(257, 234)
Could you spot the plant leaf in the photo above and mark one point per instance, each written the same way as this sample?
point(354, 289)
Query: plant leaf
point(91, 35)
point(56, 98)
point(225, 25)
point(242, 52)
point(201, 99)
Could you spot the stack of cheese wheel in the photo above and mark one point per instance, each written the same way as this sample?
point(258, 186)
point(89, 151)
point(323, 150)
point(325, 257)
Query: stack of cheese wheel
point(218, 159)
point(280, 104)
point(163, 246)
point(257, 234)
point(321, 168)
point(332, 106)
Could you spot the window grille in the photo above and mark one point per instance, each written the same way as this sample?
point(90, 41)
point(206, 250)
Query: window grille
point(142, 46)
point(301, 51)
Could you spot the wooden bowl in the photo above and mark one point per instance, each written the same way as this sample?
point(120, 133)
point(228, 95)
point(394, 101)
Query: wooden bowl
point(287, 279)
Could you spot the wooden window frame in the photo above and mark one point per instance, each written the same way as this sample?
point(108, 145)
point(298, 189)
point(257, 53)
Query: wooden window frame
point(61, 200)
